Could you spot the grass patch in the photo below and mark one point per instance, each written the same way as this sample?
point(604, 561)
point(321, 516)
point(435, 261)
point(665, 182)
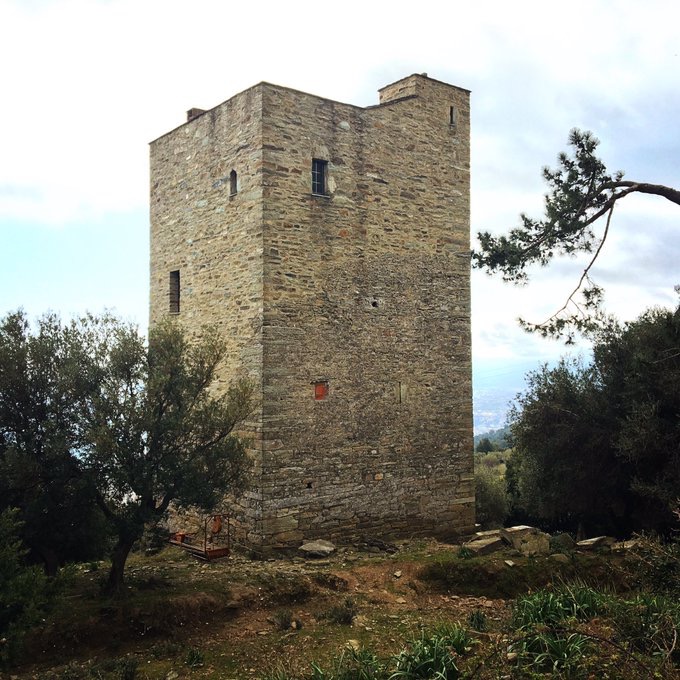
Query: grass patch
point(343, 613)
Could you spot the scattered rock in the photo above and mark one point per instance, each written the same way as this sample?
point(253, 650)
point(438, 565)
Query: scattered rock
point(509, 563)
point(486, 534)
point(397, 574)
point(353, 644)
point(401, 600)
point(528, 540)
point(560, 557)
point(562, 542)
point(375, 545)
point(172, 675)
point(597, 542)
point(318, 548)
point(484, 546)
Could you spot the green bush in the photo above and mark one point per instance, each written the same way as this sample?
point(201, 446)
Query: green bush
point(477, 621)
point(430, 656)
point(649, 623)
point(548, 607)
point(353, 664)
point(194, 658)
point(656, 565)
point(491, 499)
point(559, 654)
point(24, 591)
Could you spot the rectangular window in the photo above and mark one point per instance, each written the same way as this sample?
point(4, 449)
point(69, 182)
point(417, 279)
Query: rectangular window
point(174, 292)
point(319, 170)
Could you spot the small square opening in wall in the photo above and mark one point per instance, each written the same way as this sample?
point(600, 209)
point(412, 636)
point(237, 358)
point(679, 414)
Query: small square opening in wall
point(320, 390)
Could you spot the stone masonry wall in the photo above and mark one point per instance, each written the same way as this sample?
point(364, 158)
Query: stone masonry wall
point(366, 288)
point(214, 239)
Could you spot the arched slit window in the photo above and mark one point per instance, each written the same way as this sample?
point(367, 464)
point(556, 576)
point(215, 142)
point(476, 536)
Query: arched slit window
point(233, 183)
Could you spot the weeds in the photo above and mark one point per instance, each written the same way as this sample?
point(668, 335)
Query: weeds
point(477, 621)
point(343, 614)
point(194, 658)
point(553, 652)
point(549, 607)
point(283, 619)
point(429, 657)
point(649, 623)
point(352, 665)
point(657, 565)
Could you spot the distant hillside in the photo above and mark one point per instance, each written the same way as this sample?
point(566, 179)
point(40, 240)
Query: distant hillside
point(499, 438)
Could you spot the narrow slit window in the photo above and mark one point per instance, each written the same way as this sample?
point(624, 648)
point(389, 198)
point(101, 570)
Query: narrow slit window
point(452, 115)
point(233, 183)
point(319, 176)
point(320, 390)
point(174, 292)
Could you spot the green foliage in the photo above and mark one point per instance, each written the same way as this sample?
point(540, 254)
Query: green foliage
point(99, 432)
point(580, 192)
point(491, 499)
point(548, 607)
point(194, 658)
point(477, 621)
point(655, 565)
point(649, 623)
point(599, 445)
point(500, 439)
point(156, 432)
point(485, 446)
point(352, 664)
point(557, 653)
point(433, 655)
point(24, 592)
point(43, 383)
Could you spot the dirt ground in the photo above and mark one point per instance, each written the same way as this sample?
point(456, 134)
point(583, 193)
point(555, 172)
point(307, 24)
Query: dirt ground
point(230, 618)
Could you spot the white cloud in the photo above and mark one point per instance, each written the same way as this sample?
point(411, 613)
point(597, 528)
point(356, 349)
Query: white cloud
point(87, 84)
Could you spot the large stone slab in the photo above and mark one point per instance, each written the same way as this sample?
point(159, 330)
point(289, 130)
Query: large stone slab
point(527, 540)
point(596, 543)
point(318, 548)
point(484, 546)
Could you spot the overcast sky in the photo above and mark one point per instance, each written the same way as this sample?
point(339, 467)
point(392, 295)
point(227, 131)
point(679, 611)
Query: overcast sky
point(86, 84)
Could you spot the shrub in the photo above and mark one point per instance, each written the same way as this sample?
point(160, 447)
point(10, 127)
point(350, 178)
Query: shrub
point(430, 656)
point(454, 635)
point(555, 653)
point(491, 500)
point(649, 623)
point(477, 621)
point(656, 565)
point(24, 591)
point(343, 614)
point(283, 619)
point(549, 607)
point(194, 658)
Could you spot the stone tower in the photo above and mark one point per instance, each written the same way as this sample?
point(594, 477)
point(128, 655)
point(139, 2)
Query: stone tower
point(330, 244)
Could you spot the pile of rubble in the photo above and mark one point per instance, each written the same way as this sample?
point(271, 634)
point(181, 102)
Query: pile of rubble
point(532, 541)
